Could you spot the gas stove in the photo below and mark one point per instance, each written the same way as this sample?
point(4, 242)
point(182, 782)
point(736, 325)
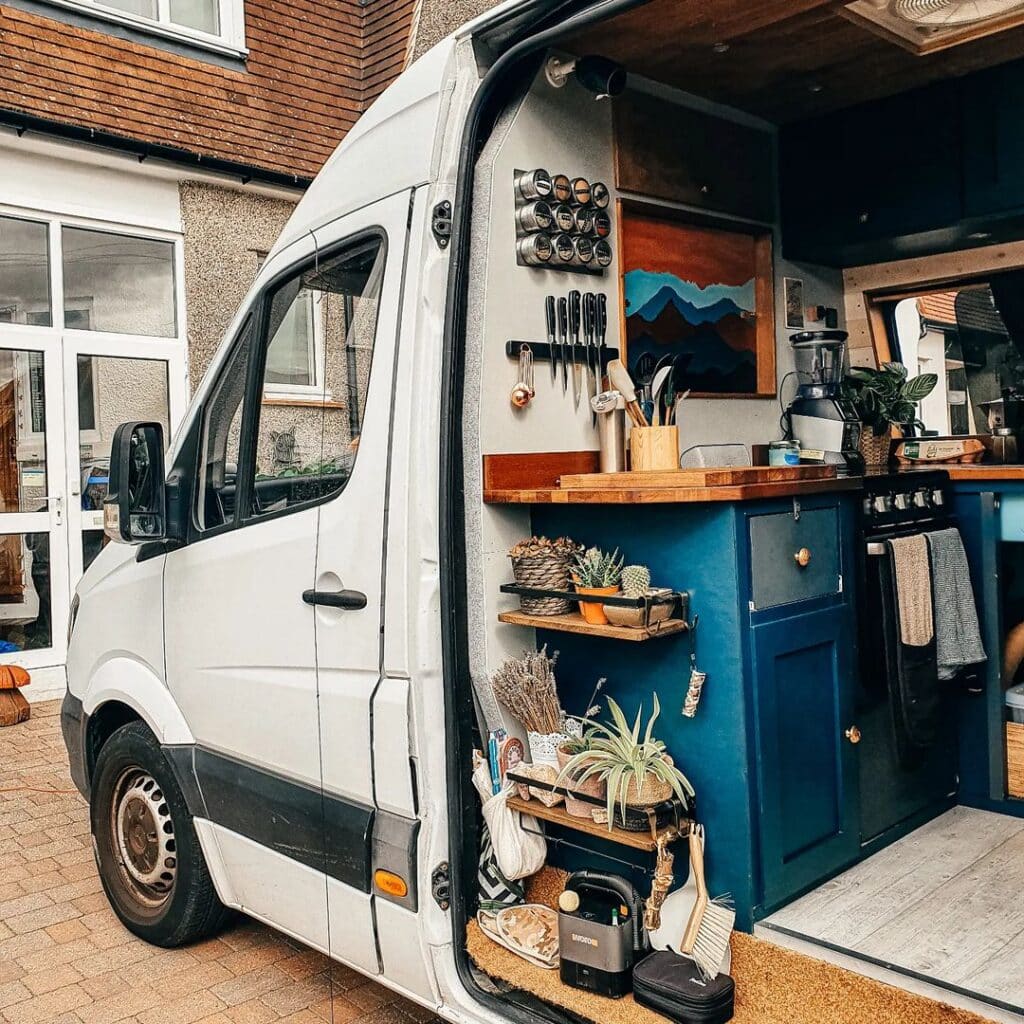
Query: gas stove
point(892, 501)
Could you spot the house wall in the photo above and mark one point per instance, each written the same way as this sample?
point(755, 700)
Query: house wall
point(285, 109)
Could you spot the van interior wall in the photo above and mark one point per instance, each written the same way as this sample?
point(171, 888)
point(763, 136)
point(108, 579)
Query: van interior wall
point(564, 131)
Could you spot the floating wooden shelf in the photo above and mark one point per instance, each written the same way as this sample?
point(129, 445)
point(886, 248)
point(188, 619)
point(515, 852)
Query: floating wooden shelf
point(575, 623)
point(560, 816)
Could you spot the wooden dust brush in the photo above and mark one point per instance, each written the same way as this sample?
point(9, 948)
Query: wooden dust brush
point(709, 929)
point(13, 706)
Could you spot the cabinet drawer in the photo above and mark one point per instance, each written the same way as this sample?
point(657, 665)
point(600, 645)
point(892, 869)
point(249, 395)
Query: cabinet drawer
point(776, 540)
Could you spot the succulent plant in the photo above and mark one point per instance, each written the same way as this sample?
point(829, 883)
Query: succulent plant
point(596, 569)
point(636, 580)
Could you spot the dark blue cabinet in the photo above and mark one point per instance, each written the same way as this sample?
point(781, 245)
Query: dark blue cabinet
point(994, 141)
point(806, 763)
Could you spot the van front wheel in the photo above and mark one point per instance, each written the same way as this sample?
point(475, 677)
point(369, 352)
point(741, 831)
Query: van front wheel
point(146, 848)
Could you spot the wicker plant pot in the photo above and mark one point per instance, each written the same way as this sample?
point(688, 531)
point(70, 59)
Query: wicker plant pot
point(875, 450)
point(589, 787)
point(544, 573)
point(653, 792)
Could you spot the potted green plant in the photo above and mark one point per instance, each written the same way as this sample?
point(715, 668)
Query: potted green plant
point(634, 766)
point(597, 573)
point(882, 399)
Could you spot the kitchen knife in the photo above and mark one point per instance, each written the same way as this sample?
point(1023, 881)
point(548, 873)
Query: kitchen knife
point(574, 330)
point(563, 340)
point(589, 308)
point(601, 326)
point(549, 312)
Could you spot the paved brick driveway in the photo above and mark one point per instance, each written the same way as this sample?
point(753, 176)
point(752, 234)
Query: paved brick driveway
point(65, 958)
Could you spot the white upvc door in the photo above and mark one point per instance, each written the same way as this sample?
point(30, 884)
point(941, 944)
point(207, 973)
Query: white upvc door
point(109, 379)
point(34, 583)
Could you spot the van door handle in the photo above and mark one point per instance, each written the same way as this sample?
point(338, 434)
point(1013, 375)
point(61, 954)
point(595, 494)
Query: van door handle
point(335, 598)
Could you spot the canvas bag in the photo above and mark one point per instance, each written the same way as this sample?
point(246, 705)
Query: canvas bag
point(518, 851)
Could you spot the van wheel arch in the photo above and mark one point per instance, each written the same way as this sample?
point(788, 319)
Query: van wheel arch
point(103, 723)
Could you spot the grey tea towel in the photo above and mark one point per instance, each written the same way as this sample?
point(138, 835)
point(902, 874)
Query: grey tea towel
point(957, 636)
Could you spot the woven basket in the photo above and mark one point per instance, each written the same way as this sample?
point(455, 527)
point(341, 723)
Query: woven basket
point(544, 573)
point(875, 450)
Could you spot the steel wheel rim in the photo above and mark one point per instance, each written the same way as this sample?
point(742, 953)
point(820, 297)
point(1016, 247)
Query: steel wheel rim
point(143, 833)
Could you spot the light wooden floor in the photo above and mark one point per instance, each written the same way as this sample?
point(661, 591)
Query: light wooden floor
point(946, 903)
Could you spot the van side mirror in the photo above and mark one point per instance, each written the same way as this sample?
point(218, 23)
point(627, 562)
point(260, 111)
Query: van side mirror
point(134, 510)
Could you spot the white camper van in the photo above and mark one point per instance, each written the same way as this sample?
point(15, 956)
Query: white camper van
point(279, 675)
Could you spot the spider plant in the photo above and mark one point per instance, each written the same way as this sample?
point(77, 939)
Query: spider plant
point(618, 755)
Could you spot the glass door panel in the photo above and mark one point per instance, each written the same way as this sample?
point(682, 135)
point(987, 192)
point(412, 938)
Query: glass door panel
point(33, 526)
point(108, 390)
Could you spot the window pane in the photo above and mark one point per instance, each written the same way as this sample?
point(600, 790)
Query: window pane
point(24, 272)
point(22, 432)
point(111, 390)
point(118, 283)
point(290, 356)
point(25, 623)
point(202, 15)
point(143, 8)
point(222, 425)
point(93, 542)
point(306, 451)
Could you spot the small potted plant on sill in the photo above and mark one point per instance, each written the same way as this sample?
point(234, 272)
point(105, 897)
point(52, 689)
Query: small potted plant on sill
point(597, 573)
point(635, 768)
point(884, 399)
point(636, 583)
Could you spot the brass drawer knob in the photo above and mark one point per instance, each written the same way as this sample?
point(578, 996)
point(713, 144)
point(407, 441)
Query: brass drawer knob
point(853, 734)
point(803, 557)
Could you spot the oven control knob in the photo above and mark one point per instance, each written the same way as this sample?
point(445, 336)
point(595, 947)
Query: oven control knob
point(938, 498)
point(921, 499)
point(902, 501)
point(883, 503)
point(869, 506)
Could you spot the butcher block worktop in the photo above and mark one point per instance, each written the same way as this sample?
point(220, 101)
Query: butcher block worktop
point(572, 478)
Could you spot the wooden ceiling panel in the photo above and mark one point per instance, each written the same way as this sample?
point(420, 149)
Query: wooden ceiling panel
point(787, 59)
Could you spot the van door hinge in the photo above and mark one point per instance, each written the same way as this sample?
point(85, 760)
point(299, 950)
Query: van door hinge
point(796, 510)
point(441, 224)
point(441, 885)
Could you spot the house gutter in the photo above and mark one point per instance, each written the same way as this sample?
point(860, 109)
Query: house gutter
point(247, 174)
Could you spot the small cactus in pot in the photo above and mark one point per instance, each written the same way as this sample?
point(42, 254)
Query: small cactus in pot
point(636, 580)
point(599, 573)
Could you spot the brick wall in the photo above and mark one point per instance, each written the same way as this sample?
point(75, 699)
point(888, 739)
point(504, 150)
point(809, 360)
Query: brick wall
point(312, 69)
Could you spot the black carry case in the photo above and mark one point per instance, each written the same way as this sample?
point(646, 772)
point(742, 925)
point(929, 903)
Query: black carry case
point(672, 985)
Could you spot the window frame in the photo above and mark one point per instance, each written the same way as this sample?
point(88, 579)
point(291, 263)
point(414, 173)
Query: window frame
point(252, 401)
point(230, 41)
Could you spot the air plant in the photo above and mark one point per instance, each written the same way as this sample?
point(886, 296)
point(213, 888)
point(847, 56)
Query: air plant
point(618, 755)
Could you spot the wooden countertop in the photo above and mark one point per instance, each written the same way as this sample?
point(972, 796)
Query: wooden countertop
point(979, 471)
point(532, 479)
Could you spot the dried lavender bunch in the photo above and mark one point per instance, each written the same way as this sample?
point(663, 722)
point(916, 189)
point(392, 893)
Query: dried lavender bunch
point(526, 686)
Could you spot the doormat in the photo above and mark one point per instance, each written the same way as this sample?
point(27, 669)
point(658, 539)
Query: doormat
point(773, 985)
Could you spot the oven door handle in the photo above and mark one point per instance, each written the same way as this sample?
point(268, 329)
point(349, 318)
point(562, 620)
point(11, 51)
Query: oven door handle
point(876, 547)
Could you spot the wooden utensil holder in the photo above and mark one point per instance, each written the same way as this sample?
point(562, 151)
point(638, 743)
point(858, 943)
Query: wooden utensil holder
point(652, 448)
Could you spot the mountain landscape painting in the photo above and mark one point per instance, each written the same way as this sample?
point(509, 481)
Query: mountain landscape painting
point(696, 291)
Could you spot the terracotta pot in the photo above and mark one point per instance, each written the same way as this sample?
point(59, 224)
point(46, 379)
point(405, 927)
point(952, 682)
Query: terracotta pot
point(593, 786)
point(592, 611)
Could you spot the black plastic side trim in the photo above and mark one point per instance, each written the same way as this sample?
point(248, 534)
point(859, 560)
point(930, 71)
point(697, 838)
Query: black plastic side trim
point(317, 829)
point(394, 849)
point(73, 724)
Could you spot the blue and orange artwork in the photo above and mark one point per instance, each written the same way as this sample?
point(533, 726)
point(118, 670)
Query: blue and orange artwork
point(692, 292)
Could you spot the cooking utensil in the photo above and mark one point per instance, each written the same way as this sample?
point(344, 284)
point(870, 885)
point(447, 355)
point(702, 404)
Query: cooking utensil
point(549, 315)
point(574, 339)
point(620, 380)
point(563, 340)
point(523, 390)
point(657, 387)
point(609, 408)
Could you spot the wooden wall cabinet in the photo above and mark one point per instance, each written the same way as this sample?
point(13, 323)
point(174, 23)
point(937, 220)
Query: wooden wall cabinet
point(665, 151)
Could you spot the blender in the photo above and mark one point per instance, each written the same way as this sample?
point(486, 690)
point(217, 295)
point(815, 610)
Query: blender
point(818, 417)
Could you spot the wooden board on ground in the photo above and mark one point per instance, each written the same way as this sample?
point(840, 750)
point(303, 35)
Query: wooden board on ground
point(707, 477)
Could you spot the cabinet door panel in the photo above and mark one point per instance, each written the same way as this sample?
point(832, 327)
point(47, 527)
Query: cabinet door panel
point(802, 668)
point(775, 540)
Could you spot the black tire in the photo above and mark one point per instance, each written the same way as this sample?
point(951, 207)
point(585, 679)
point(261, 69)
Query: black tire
point(146, 848)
